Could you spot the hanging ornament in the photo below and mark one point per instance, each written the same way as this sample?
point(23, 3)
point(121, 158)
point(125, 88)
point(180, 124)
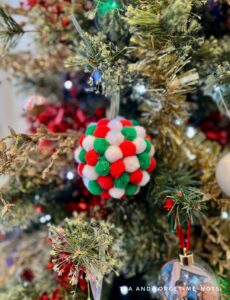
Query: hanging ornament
point(223, 174)
point(184, 278)
point(115, 158)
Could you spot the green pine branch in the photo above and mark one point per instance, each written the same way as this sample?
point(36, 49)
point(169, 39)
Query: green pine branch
point(10, 31)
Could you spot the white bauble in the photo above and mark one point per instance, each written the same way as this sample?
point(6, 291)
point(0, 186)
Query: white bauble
point(223, 174)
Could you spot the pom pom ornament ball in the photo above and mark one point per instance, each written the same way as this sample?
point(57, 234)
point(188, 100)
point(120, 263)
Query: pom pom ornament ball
point(115, 158)
point(223, 174)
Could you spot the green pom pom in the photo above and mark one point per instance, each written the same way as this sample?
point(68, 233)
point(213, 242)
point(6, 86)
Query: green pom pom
point(148, 148)
point(144, 160)
point(122, 181)
point(90, 129)
point(102, 167)
point(135, 123)
point(131, 189)
point(82, 156)
point(94, 187)
point(129, 133)
point(100, 145)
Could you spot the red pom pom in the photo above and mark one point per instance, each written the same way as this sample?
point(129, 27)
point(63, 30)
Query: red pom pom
point(105, 182)
point(92, 157)
point(80, 169)
point(136, 177)
point(103, 122)
point(81, 140)
point(128, 148)
point(126, 123)
point(117, 168)
point(101, 131)
point(152, 166)
point(148, 137)
point(105, 195)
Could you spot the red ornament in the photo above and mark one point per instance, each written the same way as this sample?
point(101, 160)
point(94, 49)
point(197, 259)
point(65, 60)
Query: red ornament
point(169, 204)
point(101, 131)
point(117, 168)
point(92, 157)
point(105, 182)
point(136, 177)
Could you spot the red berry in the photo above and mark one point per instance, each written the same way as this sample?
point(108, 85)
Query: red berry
point(92, 157)
point(101, 131)
point(136, 177)
point(126, 123)
point(105, 182)
point(152, 166)
point(105, 195)
point(117, 168)
point(80, 169)
point(81, 140)
point(128, 148)
point(103, 122)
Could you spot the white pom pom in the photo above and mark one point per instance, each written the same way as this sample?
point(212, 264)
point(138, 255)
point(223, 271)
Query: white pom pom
point(140, 131)
point(76, 154)
point(113, 153)
point(114, 137)
point(140, 144)
point(89, 172)
point(152, 151)
point(88, 142)
point(131, 164)
point(116, 193)
point(138, 190)
point(86, 182)
point(145, 178)
point(115, 125)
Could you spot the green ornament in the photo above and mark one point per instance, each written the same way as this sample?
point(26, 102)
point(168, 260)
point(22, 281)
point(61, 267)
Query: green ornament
point(129, 133)
point(90, 129)
point(94, 187)
point(131, 189)
point(100, 145)
point(135, 123)
point(144, 160)
point(102, 167)
point(148, 145)
point(122, 181)
point(82, 156)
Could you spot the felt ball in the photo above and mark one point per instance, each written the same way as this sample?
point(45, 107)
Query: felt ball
point(128, 148)
point(116, 193)
point(115, 158)
point(114, 137)
point(129, 133)
point(135, 123)
point(88, 142)
point(144, 160)
point(152, 166)
point(102, 167)
point(105, 182)
point(131, 164)
point(113, 153)
point(80, 169)
point(122, 181)
point(91, 157)
point(89, 172)
point(90, 129)
point(101, 131)
point(94, 187)
point(115, 125)
point(103, 122)
point(131, 189)
point(136, 177)
point(140, 131)
point(125, 122)
point(140, 144)
point(100, 145)
point(145, 179)
point(117, 168)
point(82, 155)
